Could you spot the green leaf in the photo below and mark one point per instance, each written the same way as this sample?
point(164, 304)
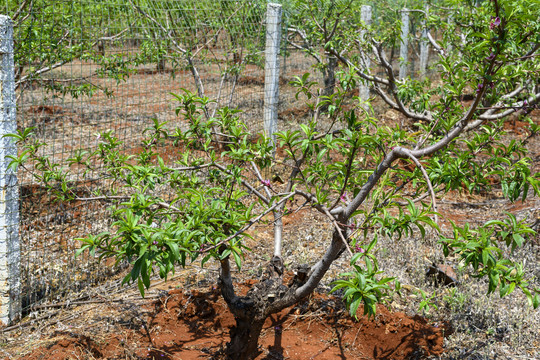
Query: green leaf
point(81, 250)
point(511, 288)
point(372, 244)
point(174, 249)
point(485, 257)
point(126, 279)
point(205, 259)
point(237, 260)
point(136, 270)
point(503, 290)
point(141, 286)
point(146, 279)
point(353, 308)
point(518, 239)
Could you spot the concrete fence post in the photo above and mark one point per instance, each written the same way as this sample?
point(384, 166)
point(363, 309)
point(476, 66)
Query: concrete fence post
point(424, 48)
point(363, 90)
point(403, 50)
point(10, 250)
point(450, 48)
point(271, 69)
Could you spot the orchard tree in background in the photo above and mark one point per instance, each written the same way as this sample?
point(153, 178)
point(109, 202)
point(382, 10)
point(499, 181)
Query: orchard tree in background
point(49, 35)
point(301, 36)
point(184, 32)
point(200, 208)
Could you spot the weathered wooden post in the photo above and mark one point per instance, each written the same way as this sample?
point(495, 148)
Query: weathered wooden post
point(403, 51)
point(271, 69)
point(10, 282)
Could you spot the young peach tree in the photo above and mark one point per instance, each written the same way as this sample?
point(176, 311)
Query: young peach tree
point(345, 167)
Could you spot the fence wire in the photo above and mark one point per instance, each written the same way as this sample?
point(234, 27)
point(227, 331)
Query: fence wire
point(86, 67)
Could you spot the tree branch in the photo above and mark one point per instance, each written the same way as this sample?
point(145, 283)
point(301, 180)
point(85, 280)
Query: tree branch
point(225, 282)
point(19, 10)
point(516, 107)
point(347, 175)
point(39, 72)
point(189, 59)
point(399, 152)
point(428, 117)
point(435, 45)
point(250, 224)
point(426, 176)
point(320, 268)
point(358, 71)
point(278, 222)
point(195, 167)
point(246, 184)
point(307, 47)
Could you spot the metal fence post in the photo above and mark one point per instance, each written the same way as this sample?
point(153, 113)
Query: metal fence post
point(271, 69)
point(10, 282)
point(363, 90)
point(403, 51)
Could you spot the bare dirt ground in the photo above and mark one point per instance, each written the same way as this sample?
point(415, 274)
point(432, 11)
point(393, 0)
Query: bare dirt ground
point(194, 325)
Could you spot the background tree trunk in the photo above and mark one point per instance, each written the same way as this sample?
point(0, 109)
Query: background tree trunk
point(329, 77)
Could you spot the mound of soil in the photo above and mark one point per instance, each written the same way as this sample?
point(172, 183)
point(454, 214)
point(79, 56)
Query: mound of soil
point(195, 325)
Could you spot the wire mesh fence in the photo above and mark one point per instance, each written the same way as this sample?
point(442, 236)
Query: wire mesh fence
point(83, 68)
point(86, 67)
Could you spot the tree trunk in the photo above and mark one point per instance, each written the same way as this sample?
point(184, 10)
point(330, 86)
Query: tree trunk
point(330, 76)
point(160, 66)
point(265, 298)
point(251, 311)
point(244, 339)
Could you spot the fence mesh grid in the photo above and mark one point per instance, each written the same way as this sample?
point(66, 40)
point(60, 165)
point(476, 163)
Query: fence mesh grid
point(85, 67)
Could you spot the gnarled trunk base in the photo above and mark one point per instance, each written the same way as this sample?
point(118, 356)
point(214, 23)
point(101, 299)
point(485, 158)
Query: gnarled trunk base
point(265, 298)
point(244, 339)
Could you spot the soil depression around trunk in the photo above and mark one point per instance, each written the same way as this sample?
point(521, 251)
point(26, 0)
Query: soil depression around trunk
point(196, 325)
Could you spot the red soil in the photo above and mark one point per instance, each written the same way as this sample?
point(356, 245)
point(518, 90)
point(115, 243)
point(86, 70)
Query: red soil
point(196, 325)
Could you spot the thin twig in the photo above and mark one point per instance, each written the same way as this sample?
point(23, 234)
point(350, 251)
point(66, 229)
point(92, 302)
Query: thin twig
point(104, 197)
point(338, 229)
point(195, 167)
point(248, 225)
point(428, 181)
point(259, 176)
point(397, 103)
point(423, 139)
point(19, 10)
point(246, 184)
point(85, 302)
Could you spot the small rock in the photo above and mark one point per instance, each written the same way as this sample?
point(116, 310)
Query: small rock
point(444, 274)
